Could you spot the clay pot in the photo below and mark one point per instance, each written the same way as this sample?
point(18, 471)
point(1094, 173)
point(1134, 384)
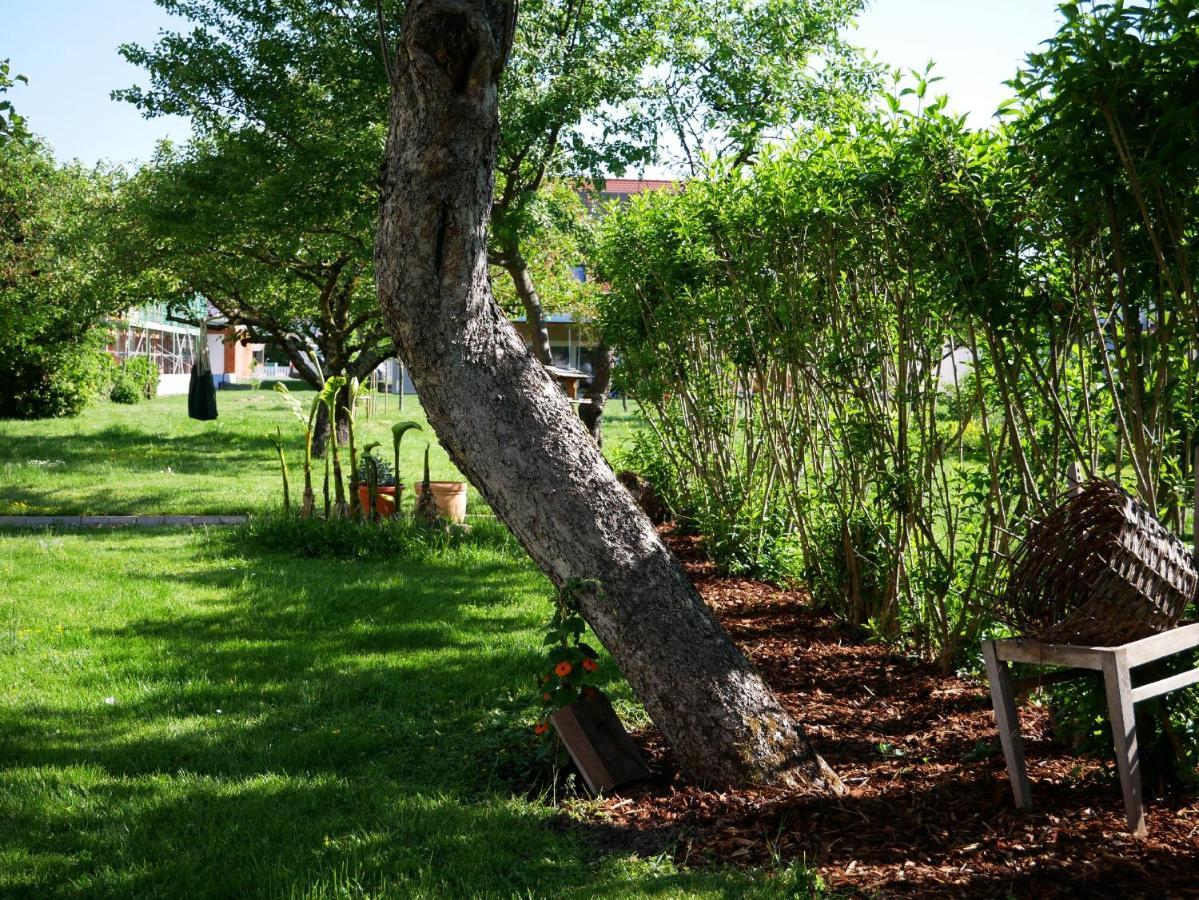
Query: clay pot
point(449, 497)
point(385, 500)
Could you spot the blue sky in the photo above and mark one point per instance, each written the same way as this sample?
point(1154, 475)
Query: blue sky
point(976, 44)
point(68, 49)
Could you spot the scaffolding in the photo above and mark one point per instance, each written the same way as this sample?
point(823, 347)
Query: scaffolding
point(145, 331)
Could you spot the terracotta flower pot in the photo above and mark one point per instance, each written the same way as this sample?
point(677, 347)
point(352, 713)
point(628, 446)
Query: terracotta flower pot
point(449, 497)
point(385, 500)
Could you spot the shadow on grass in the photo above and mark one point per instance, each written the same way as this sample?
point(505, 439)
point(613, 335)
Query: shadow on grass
point(212, 451)
point(301, 725)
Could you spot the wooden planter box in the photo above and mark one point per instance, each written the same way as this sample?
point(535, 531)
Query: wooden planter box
point(598, 744)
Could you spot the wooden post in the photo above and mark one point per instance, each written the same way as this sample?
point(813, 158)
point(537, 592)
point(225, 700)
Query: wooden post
point(1195, 511)
point(598, 744)
point(1074, 478)
point(1003, 699)
point(1118, 683)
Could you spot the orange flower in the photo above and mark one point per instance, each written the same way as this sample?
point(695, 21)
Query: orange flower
point(590, 664)
point(546, 696)
point(545, 679)
point(562, 669)
point(540, 728)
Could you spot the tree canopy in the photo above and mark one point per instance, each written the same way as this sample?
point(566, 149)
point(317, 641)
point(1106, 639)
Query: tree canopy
point(55, 279)
point(591, 89)
point(11, 123)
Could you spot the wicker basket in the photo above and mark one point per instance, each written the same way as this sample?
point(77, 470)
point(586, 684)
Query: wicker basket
point(1099, 570)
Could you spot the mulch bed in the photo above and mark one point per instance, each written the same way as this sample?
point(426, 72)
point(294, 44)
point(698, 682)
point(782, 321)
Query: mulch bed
point(928, 810)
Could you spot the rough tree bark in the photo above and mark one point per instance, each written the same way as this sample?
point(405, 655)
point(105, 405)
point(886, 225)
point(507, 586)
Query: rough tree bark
point(510, 430)
point(320, 439)
point(596, 395)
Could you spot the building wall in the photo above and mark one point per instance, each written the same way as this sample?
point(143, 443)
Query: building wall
point(570, 342)
point(216, 354)
point(231, 359)
point(173, 384)
point(237, 359)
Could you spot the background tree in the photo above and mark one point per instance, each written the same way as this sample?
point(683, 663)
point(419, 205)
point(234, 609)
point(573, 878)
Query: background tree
point(597, 88)
point(509, 430)
point(737, 76)
point(53, 288)
point(1108, 144)
point(275, 237)
point(269, 213)
point(11, 124)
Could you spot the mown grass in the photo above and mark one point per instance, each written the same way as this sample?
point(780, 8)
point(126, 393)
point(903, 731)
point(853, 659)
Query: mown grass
point(182, 717)
point(152, 459)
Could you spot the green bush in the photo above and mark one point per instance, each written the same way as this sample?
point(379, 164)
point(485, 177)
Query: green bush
point(125, 390)
point(43, 383)
point(645, 455)
point(54, 286)
point(144, 373)
point(1166, 725)
point(104, 374)
point(754, 544)
point(854, 592)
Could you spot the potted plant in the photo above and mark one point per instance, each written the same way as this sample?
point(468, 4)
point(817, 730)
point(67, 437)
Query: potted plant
point(377, 473)
point(449, 497)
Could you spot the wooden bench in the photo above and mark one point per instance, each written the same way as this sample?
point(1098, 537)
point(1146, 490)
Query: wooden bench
point(1116, 664)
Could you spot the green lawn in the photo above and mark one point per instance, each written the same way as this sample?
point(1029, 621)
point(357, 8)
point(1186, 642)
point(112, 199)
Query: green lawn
point(152, 459)
point(184, 717)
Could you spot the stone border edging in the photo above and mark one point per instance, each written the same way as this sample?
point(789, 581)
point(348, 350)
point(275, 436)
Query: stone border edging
point(116, 521)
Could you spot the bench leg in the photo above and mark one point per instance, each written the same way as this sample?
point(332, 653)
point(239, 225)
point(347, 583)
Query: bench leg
point(1118, 684)
point(1003, 698)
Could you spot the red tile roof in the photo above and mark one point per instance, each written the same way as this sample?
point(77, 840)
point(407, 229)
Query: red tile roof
point(636, 185)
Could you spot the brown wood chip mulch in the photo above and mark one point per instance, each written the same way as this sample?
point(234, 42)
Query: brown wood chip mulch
point(928, 810)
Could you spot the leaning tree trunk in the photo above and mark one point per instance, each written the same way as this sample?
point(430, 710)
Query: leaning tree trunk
point(522, 281)
point(509, 429)
point(320, 440)
point(596, 395)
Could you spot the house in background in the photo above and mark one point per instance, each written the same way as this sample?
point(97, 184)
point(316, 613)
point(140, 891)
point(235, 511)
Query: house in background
point(572, 339)
point(571, 343)
point(235, 360)
point(167, 340)
point(624, 188)
point(149, 331)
